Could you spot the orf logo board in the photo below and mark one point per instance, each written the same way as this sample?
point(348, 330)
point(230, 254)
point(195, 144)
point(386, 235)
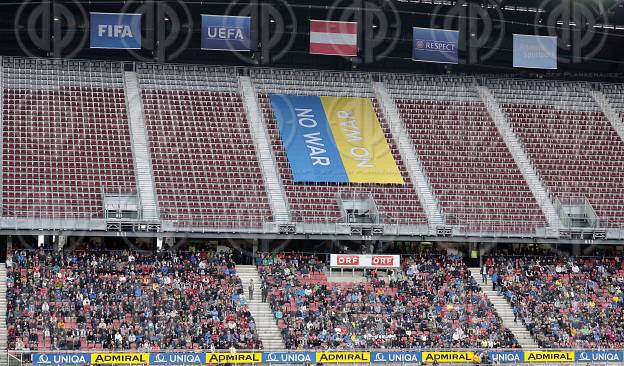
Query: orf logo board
point(116, 30)
point(365, 261)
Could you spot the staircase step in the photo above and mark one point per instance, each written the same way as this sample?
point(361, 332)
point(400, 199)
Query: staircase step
point(504, 311)
point(266, 324)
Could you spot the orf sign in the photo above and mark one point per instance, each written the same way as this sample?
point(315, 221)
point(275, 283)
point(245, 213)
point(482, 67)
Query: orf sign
point(382, 261)
point(365, 261)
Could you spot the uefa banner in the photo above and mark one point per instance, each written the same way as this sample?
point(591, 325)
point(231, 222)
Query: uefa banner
point(435, 45)
point(116, 30)
point(365, 261)
point(534, 52)
point(226, 33)
point(334, 139)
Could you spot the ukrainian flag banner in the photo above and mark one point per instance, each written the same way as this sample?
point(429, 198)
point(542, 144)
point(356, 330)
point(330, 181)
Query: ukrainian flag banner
point(334, 139)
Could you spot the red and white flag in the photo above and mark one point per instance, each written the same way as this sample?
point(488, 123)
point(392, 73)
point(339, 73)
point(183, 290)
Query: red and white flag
point(333, 38)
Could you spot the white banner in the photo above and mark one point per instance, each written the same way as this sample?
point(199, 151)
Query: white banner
point(365, 261)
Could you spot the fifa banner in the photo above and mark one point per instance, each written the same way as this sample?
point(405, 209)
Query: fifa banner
point(534, 52)
point(365, 261)
point(226, 33)
point(435, 45)
point(334, 139)
point(116, 30)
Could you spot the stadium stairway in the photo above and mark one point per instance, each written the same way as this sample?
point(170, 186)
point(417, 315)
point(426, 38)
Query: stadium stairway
point(3, 310)
point(609, 112)
point(404, 144)
point(140, 147)
point(521, 158)
point(504, 310)
point(274, 188)
point(266, 325)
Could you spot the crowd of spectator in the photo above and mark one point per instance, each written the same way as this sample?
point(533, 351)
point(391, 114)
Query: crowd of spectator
point(126, 300)
point(430, 302)
point(564, 302)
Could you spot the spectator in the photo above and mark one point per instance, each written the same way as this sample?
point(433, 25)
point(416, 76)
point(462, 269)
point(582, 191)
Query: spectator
point(566, 302)
point(432, 302)
point(126, 300)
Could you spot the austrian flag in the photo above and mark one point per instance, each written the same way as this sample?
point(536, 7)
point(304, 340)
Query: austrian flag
point(333, 38)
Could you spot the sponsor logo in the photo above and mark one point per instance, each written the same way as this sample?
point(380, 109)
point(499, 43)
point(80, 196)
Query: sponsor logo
point(289, 357)
point(60, 359)
point(548, 356)
point(382, 261)
point(396, 356)
point(599, 356)
point(176, 358)
point(240, 357)
point(340, 357)
point(506, 356)
point(119, 358)
point(447, 357)
point(348, 260)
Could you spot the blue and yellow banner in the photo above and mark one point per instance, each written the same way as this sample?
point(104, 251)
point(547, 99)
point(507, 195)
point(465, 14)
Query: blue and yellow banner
point(334, 139)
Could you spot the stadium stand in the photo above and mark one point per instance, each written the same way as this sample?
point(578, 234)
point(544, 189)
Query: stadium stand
point(431, 302)
point(469, 167)
point(572, 145)
point(205, 166)
point(317, 202)
point(565, 302)
point(66, 140)
point(126, 300)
